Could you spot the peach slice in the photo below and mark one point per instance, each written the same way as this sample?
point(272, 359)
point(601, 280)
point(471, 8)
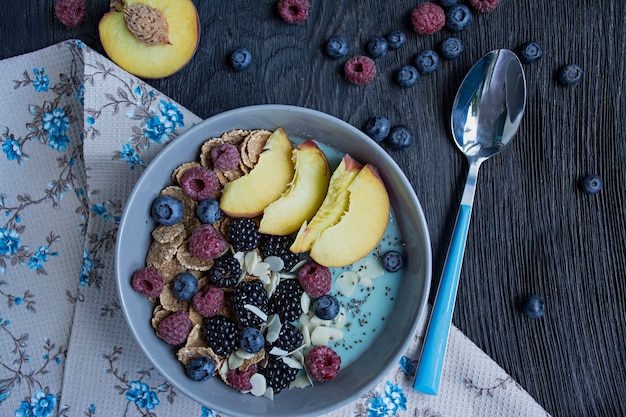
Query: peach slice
point(361, 227)
point(304, 195)
point(150, 38)
point(249, 195)
point(334, 205)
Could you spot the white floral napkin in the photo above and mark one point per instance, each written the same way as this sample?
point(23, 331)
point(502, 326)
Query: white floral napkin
point(76, 133)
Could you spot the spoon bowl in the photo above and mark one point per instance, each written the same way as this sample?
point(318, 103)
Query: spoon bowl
point(486, 114)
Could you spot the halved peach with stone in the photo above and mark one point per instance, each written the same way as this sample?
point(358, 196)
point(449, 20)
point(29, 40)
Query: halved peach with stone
point(150, 38)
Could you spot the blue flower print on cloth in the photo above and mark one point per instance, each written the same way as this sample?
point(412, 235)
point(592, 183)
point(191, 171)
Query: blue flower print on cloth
point(140, 394)
point(42, 404)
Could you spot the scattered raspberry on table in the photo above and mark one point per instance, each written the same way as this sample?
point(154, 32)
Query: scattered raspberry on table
point(428, 18)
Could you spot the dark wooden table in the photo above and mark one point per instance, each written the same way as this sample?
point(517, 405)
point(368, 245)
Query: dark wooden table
point(532, 231)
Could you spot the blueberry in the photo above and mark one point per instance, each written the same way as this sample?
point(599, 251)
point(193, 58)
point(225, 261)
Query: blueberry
point(427, 61)
point(378, 47)
point(184, 286)
point(451, 47)
point(209, 211)
point(407, 76)
point(241, 59)
point(326, 307)
point(396, 39)
point(591, 184)
point(530, 52)
point(392, 261)
point(200, 368)
point(570, 75)
point(336, 47)
point(400, 137)
point(447, 3)
point(251, 340)
point(534, 307)
point(377, 128)
point(458, 17)
point(166, 210)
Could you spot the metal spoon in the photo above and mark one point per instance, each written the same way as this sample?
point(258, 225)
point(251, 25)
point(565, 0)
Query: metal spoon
point(486, 113)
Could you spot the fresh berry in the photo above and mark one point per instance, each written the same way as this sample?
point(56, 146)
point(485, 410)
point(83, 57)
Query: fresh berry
point(396, 39)
point(166, 210)
point(200, 368)
point(458, 17)
point(289, 338)
point(175, 328)
point(221, 335)
point(225, 156)
point(225, 272)
point(451, 47)
point(208, 301)
point(286, 300)
point(534, 307)
point(530, 52)
point(272, 245)
point(336, 47)
point(591, 184)
point(208, 211)
point(251, 340)
point(322, 363)
point(400, 137)
point(427, 61)
point(184, 286)
point(240, 59)
point(407, 76)
point(294, 11)
point(377, 128)
point(326, 307)
point(571, 75)
point(428, 18)
point(315, 279)
point(278, 374)
point(447, 3)
point(199, 183)
point(484, 5)
point(360, 70)
point(378, 47)
point(249, 294)
point(70, 12)
point(243, 234)
point(148, 282)
point(241, 379)
point(207, 243)
point(392, 261)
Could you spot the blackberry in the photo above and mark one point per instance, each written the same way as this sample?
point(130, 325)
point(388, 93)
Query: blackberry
point(243, 234)
point(289, 338)
point(225, 272)
point(251, 293)
point(286, 300)
point(278, 374)
point(271, 245)
point(221, 334)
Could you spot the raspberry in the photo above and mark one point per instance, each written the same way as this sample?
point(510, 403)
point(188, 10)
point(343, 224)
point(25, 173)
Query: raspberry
point(70, 12)
point(199, 183)
point(174, 328)
point(207, 243)
point(315, 279)
point(241, 379)
point(360, 70)
point(484, 5)
point(225, 156)
point(428, 18)
point(148, 282)
point(209, 300)
point(294, 11)
point(322, 363)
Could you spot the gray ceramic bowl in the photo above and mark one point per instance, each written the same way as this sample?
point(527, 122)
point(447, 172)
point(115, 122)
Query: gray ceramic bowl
point(352, 381)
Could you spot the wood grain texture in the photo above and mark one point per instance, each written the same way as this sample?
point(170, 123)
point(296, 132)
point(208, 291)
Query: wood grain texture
point(532, 231)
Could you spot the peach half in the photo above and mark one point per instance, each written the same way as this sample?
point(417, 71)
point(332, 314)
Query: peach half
point(150, 38)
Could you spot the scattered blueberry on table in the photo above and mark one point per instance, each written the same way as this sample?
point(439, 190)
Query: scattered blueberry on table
point(336, 46)
point(377, 128)
point(451, 47)
point(571, 75)
point(427, 61)
point(407, 76)
point(591, 184)
point(241, 59)
point(447, 3)
point(400, 137)
point(378, 47)
point(458, 17)
point(396, 39)
point(530, 52)
point(534, 307)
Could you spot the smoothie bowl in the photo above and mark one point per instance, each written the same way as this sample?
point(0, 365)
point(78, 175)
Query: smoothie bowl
point(244, 307)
